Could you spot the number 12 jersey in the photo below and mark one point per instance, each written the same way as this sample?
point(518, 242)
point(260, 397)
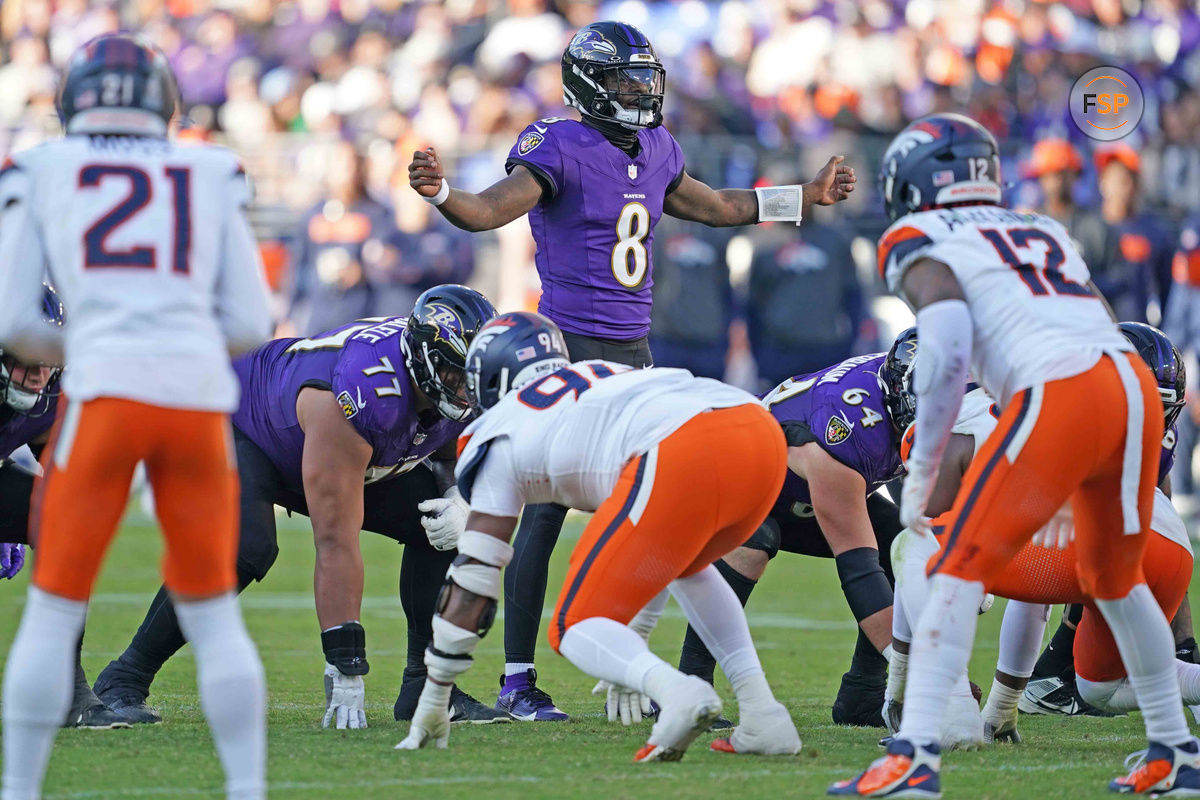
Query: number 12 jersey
point(1035, 317)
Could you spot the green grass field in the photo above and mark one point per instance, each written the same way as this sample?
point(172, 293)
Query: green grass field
point(800, 623)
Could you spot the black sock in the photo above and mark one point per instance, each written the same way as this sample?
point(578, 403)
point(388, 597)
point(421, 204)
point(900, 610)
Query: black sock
point(694, 658)
point(422, 573)
point(867, 662)
point(1186, 650)
point(1059, 655)
point(525, 579)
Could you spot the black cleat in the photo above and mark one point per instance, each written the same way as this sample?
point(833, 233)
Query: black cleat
point(859, 702)
point(720, 724)
point(464, 708)
point(98, 717)
point(410, 693)
point(132, 708)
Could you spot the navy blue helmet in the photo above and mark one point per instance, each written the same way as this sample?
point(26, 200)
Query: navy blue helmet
point(1164, 361)
point(939, 160)
point(443, 322)
point(29, 389)
point(611, 74)
point(896, 374)
point(118, 83)
point(509, 352)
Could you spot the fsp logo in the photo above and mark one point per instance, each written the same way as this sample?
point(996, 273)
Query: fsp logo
point(1106, 103)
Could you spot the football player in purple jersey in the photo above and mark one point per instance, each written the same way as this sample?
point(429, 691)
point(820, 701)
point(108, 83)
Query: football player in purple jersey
point(594, 190)
point(355, 429)
point(28, 402)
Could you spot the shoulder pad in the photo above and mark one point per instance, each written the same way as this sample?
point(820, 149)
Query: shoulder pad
point(902, 243)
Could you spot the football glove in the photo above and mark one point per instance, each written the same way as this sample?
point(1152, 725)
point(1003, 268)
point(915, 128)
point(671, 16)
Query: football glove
point(345, 697)
point(628, 705)
point(914, 498)
point(431, 720)
point(445, 519)
point(12, 558)
point(1059, 532)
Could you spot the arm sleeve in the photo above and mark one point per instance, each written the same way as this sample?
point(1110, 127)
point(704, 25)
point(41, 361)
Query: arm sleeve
point(241, 289)
point(537, 150)
point(494, 488)
point(940, 373)
point(23, 256)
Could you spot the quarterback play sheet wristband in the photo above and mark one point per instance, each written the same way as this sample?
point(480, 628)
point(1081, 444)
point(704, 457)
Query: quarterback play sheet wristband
point(780, 203)
point(441, 195)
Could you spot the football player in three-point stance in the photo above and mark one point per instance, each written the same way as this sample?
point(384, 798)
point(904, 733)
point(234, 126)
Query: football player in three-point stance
point(678, 470)
point(594, 190)
point(151, 251)
point(1007, 294)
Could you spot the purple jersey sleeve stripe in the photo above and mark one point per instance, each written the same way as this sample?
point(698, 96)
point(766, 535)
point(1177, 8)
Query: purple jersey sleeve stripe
point(549, 187)
point(674, 184)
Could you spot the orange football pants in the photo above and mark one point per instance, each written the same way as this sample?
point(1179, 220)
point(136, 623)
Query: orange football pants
point(89, 464)
point(1060, 441)
point(699, 494)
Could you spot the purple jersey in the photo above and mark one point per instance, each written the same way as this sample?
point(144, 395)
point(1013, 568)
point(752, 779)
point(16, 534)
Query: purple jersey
point(362, 365)
point(18, 429)
point(594, 226)
point(840, 408)
point(1166, 459)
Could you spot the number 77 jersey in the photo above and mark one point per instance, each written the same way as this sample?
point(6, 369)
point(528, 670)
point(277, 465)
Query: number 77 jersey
point(147, 243)
point(1035, 316)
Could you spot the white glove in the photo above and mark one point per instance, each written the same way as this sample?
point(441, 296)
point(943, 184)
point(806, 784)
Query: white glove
point(345, 696)
point(1059, 532)
point(628, 705)
point(431, 720)
point(914, 499)
point(445, 519)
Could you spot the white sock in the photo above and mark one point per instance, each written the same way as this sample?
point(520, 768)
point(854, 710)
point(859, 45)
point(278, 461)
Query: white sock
point(1021, 635)
point(606, 649)
point(940, 650)
point(716, 615)
point(38, 680)
point(516, 668)
point(232, 691)
point(1148, 650)
point(1113, 696)
point(644, 621)
point(1189, 681)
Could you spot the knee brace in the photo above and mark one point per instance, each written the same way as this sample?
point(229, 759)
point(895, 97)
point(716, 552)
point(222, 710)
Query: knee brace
point(766, 538)
point(346, 648)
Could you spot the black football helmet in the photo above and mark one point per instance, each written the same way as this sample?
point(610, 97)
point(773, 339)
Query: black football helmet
point(118, 83)
point(611, 74)
point(29, 389)
point(512, 350)
point(443, 322)
point(1164, 361)
point(939, 160)
point(896, 375)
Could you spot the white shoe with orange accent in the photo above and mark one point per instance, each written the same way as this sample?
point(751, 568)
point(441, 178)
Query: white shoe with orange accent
point(767, 733)
point(687, 710)
point(1161, 770)
point(908, 770)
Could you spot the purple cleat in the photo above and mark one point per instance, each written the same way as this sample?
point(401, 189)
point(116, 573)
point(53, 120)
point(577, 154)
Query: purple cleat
point(521, 698)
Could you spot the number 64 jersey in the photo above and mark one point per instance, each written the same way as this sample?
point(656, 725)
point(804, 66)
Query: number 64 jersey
point(147, 244)
point(1034, 315)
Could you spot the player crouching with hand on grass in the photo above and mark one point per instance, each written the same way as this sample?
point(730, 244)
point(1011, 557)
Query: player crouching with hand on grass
point(679, 471)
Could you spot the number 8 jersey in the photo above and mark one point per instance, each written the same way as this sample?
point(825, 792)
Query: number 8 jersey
point(147, 243)
point(594, 226)
point(1034, 315)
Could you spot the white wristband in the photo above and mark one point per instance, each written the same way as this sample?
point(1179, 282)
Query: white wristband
point(441, 195)
point(780, 203)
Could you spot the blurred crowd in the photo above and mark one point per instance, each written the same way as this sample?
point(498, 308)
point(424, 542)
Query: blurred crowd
point(327, 99)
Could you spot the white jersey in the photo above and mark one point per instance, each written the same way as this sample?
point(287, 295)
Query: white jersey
point(565, 438)
point(978, 417)
point(147, 244)
point(1034, 318)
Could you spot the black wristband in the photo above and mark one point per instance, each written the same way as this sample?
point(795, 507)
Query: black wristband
point(346, 648)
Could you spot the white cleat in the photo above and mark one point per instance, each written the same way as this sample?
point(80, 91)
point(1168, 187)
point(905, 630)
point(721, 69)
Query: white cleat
point(687, 710)
point(962, 727)
point(767, 733)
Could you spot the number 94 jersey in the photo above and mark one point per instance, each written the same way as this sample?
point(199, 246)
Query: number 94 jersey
point(1035, 318)
point(841, 409)
point(594, 226)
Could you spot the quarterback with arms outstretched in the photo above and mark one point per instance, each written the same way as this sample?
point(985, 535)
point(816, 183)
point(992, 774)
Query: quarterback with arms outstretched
point(678, 470)
point(594, 190)
point(1006, 294)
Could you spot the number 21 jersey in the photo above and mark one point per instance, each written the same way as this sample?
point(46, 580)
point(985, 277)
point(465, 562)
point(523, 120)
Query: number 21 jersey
point(1035, 318)
point(594, 226)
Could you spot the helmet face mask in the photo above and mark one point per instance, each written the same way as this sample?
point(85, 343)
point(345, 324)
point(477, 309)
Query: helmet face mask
point(896, 375)
point(29, 389)
point(444, 321)
point(612, 75)
point(512, 351)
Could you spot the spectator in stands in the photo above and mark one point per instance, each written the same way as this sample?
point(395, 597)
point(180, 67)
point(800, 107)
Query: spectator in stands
point(1135, 274)
point(329, 286)
point(693, 299)
point(805, 305)
point(1181, 324)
